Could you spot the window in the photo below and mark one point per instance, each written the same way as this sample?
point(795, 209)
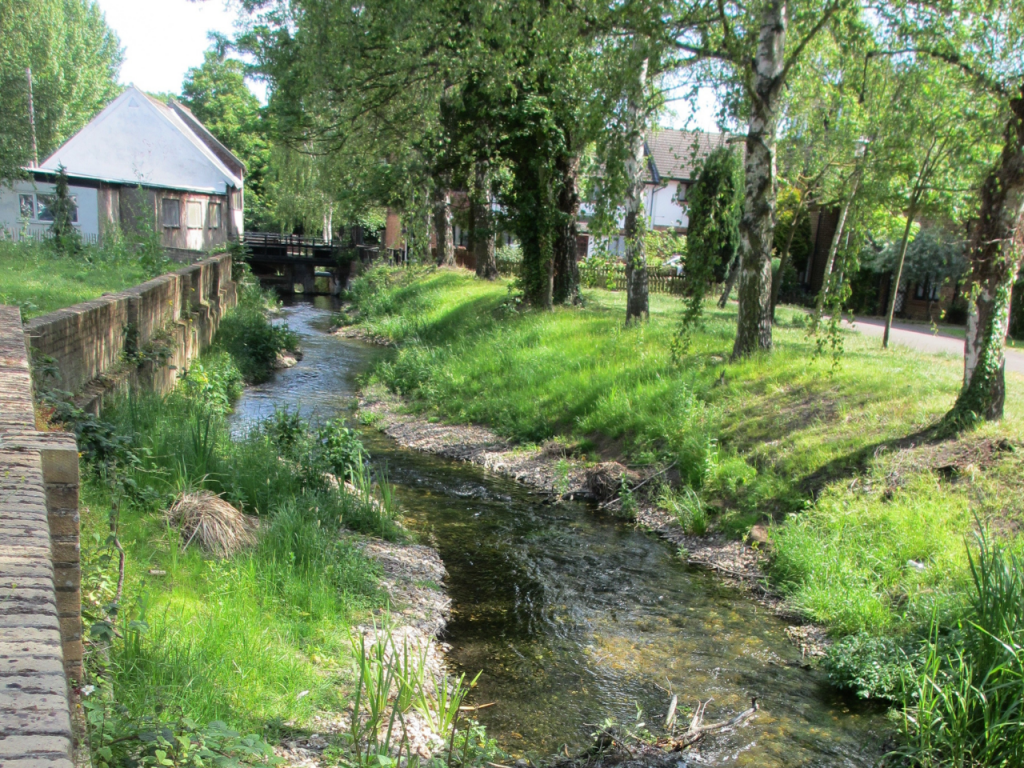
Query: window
point(214, 215)
point(194, 209)
point(170, 212)
point(236, 200)
point(27, 204)
point(927, 290)
point(44, 208)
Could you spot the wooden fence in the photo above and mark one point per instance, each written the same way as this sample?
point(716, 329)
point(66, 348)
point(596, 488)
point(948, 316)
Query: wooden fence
point(612, 279)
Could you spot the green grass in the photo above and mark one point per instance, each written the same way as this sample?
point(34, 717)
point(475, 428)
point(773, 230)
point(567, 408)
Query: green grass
point(259, 640)
point(39, 280)
point(840, 462)
point(235, 640)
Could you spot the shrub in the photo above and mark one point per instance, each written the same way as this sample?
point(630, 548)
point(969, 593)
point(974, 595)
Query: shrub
point(869, 666)
point(251, 339)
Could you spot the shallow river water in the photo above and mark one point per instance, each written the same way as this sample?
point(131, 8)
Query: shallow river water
point(573, 617)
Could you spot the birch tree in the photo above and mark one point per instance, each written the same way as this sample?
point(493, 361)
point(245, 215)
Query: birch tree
point(754, 46)
point(637, 300)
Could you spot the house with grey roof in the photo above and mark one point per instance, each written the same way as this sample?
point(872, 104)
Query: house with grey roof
point(140, 162)
point(674, 159)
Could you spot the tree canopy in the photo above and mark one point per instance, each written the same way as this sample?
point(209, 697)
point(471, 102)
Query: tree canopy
point(74, 59)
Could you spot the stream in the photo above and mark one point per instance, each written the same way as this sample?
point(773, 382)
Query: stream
point(574, 617)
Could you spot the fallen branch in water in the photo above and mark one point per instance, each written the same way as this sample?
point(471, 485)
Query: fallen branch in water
point(697, 728)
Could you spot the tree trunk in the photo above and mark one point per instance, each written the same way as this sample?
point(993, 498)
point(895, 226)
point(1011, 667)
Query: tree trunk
point(566, 277)
point(757, 225)
point(836, 238)
point(730, 281)
point(995, 251)
point(637, 300)
point(898, 272)
point(534, 230)
point(784, 258)
point(443, 225)
point(483, 226)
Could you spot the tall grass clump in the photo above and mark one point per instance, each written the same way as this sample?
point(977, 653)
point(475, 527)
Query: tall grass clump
point(876, 560)
point(966, 704)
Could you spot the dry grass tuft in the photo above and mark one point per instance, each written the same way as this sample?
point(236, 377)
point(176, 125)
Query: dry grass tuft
point(218, 528)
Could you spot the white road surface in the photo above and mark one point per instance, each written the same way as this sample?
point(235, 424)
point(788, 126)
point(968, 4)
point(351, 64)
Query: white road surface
point(923, 339)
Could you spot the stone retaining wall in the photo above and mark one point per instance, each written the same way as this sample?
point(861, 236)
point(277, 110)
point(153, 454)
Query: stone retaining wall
point(162, 324)
point(40, 576)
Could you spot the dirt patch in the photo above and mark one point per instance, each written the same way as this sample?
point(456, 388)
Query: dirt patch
point(567, 478)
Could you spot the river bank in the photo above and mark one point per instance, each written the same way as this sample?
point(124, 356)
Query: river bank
point(549, 470)
point(869, 521)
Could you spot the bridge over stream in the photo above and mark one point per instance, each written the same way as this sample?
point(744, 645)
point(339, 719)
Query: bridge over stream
point(299, 264)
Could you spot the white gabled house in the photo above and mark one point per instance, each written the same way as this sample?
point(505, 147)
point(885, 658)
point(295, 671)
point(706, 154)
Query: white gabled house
point(139, 162)
point(673, 162)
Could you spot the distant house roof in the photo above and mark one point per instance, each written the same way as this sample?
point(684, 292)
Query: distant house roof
point(140, 140)
point(677, 155)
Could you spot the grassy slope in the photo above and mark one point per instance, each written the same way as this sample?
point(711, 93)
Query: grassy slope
point(38, 281)
point(761, 439)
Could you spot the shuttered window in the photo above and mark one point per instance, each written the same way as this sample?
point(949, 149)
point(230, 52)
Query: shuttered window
point(170, 212)
point(214, 215)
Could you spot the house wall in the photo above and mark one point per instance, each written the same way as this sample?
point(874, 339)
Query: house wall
point(182, 237)
point(10, 210)
point(663, 209)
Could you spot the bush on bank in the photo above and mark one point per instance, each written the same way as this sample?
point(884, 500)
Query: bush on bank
point(872, 519)
point(248, 336)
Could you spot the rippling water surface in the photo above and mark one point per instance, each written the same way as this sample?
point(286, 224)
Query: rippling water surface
point(574, 617)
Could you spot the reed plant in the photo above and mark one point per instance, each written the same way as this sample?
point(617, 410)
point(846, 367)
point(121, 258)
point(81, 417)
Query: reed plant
point(965, 705)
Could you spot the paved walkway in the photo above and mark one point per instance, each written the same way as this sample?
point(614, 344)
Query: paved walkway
point(921, 338)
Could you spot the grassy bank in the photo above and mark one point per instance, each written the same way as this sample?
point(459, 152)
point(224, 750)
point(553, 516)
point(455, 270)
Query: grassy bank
point(188, 651)
point(40, 279)
point(207, 645)
point(872, 518)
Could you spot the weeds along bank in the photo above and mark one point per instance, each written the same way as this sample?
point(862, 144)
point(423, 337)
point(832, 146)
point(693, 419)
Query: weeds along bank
point(872, 518)
point(225, 609)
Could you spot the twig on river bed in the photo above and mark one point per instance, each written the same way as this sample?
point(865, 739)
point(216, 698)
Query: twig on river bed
point(638, 485)
point(479, 706)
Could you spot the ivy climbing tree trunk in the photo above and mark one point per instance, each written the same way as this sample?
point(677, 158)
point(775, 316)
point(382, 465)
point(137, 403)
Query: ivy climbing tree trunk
point(566, 283)
point(483, 224)
point(995, 252)
point(443, 225)
point(757, 225)
point(637, 300)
